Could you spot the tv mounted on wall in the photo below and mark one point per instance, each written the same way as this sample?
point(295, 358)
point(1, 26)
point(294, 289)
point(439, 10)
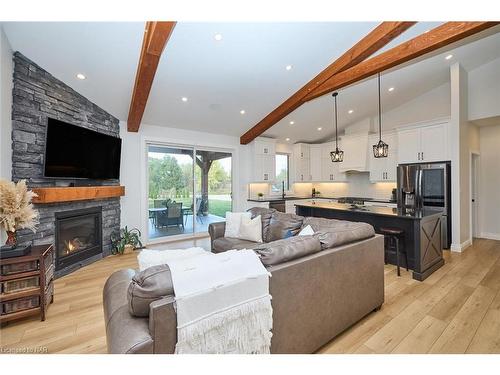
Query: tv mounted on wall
point(73, 152)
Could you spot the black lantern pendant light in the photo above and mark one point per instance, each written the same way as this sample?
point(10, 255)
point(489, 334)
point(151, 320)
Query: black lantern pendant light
point(381, 149)
point(337, 155)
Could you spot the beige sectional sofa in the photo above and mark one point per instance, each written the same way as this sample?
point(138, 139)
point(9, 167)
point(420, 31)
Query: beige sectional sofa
point(317, 292)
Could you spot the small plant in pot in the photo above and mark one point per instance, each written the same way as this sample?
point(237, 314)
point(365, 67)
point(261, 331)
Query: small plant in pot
point(125, 241)
point(260, 196)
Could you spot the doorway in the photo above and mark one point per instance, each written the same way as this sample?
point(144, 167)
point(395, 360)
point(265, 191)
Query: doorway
point(188, 189)
point(474, 199)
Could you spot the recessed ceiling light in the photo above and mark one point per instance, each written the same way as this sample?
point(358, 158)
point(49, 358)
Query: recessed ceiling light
point(292, 122)
point(448, 57)
point(80, 76)
point(287, 139)
point(320, 129)
point(184, 99)
point(350, 111)
point(242, 111)
point(390, 89)
point(218, 37)
point(288, 67)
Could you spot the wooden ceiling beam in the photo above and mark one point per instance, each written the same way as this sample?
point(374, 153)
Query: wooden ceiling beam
point(435, 39)
point(156, 36)
point(375, 40)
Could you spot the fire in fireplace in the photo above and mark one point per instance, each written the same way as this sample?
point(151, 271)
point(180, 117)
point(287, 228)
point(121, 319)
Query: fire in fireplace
point(78, 235)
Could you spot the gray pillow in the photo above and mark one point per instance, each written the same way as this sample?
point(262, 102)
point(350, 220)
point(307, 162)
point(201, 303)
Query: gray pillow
point(281, 251)
point(265, 214)
point(283, 225)
point(147, 286)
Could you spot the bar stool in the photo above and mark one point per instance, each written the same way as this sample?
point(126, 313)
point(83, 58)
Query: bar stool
point(392, 236)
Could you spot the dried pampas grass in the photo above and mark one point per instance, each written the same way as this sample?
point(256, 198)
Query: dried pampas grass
point(16, 210)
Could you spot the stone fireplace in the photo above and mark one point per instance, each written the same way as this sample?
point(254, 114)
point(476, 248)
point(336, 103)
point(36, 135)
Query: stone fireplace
point(78, 236)
point(36, 96)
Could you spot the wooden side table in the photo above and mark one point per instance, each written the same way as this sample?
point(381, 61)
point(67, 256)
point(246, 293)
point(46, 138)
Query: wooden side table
point(26, 284)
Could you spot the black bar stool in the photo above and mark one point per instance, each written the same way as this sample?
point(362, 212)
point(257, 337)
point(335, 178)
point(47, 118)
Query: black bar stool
point(392, 236)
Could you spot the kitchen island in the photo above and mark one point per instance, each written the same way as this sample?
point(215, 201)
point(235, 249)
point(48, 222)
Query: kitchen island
point(422, 239)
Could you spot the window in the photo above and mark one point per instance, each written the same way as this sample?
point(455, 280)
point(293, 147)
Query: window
point(282, 172)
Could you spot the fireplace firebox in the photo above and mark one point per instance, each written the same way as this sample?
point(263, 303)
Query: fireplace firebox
point(78, 236)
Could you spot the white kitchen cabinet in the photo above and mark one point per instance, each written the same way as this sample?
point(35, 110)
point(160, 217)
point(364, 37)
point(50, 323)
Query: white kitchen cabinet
point(263, 153)
point(330, 172)
point(384, 169)
point(423, 143)
point(302, 162)
point(355, 149)
point(315, 163)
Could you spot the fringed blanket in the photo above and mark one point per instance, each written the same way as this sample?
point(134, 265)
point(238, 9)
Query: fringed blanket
point(223, 303)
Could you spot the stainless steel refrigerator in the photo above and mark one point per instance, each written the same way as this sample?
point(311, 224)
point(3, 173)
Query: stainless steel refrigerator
point(427, 186)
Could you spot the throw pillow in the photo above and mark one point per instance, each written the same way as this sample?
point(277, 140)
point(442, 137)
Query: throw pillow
point(306, 231)
point(251, 229)
point(233, 223)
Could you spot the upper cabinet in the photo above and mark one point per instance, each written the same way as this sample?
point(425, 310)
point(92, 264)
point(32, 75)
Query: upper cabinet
point(355, 149)
point(315, 163)
point(302, 161)
point(263, 151)
point(330, 171)
point(424, 143)
point(384, 169)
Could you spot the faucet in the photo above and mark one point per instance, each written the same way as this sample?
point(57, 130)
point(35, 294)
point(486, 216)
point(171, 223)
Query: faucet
point(283, 189)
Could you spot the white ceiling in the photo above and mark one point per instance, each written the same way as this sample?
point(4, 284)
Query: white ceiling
point(245, 70)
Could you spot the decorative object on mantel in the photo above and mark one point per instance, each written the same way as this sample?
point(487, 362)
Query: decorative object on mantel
point(337, 155)
point(126, 240)
point(260, 196)
point(381, 149)
point(16, 212)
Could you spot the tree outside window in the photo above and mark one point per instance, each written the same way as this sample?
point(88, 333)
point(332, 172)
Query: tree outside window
point(282, 172)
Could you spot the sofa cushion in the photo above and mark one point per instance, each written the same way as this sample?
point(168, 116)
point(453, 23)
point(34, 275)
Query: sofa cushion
point(251, 229)
point(233, 223)
point(332, 233)
point(265, 215)
point(282, 225)
point(281, 251)
point(230, 243)
point(147, 286)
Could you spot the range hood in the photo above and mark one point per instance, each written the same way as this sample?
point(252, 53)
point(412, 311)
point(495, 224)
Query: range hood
point(355, 148)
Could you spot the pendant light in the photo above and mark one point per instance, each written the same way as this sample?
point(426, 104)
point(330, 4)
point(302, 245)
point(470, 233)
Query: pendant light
point(381, 149)
point(337, 155)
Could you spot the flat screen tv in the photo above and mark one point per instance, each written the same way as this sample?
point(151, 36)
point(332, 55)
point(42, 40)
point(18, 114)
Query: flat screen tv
point(73, 152)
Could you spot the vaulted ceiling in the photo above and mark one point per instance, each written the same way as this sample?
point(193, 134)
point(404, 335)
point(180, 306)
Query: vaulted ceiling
point(245, 70)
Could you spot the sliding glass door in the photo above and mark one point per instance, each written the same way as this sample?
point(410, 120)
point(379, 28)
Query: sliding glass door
point(188, 189)
point(213, 187)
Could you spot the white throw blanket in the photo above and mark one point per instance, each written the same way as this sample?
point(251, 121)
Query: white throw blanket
point(149, 258)
point(223, 303)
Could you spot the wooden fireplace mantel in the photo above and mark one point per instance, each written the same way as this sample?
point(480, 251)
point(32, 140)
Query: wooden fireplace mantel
point(69, 194)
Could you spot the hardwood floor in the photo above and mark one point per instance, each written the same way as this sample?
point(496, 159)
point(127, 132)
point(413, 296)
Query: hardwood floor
point(455, 310)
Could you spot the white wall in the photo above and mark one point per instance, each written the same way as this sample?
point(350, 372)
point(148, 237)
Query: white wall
point(489, 182)
point(133, 166)
point(5, 111)
point(484, 91)
point(6, 67)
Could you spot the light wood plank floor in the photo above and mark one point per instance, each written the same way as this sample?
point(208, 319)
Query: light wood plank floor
point(456, 310)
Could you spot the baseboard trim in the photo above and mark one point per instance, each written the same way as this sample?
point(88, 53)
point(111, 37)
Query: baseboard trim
point(461, 247)
point(490, 236)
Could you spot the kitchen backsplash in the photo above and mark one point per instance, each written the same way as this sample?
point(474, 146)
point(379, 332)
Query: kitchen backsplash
point(357, 185)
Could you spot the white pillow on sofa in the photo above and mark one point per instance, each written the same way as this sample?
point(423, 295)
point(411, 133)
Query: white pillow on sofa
point(306, 231)
point(251, 229)
point(233, 223)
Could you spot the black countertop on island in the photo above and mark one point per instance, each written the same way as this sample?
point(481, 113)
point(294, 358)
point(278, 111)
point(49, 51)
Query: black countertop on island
point(373, 210)
point(292, 198)
point(422, 231)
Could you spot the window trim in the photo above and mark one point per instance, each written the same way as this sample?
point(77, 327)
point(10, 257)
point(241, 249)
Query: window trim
point(289, 189)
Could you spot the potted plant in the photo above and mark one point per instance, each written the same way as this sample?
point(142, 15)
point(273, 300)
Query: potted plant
point(16, 210)
point(126, 241)
point(260, 196)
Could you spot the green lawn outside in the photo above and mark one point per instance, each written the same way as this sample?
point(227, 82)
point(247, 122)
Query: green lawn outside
point(215, 206)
